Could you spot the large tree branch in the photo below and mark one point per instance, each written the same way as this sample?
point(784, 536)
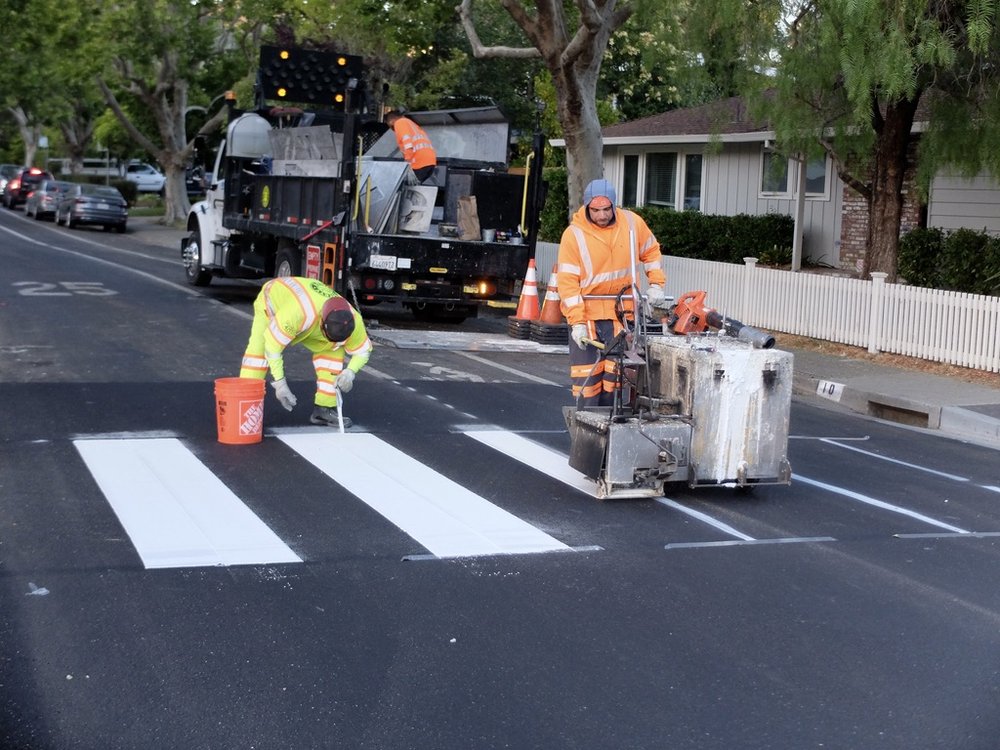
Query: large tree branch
point(131, 129)
point(479, 50)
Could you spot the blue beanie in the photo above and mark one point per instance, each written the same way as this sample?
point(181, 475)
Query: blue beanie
point(598, 188)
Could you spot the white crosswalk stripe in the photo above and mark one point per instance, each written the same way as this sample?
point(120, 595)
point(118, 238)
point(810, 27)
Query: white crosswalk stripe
point(443, 516)
point(535, 455)
point(175, 511)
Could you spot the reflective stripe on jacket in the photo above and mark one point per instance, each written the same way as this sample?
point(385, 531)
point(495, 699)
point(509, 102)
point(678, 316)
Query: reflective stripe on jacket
point(595, 260)
point(292, 307)
point(414, 144)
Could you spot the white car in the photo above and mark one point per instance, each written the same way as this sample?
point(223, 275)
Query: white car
point(147, 178)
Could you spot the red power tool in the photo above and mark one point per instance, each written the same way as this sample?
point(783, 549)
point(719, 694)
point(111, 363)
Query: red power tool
point(690, 315)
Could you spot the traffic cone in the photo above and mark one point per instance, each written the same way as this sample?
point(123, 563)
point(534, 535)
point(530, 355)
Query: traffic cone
point(519, 324)
point(550, 328)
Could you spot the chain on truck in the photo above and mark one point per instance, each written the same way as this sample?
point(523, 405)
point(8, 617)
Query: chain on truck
point(322, 191)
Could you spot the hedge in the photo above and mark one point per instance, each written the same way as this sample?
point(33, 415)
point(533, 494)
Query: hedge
point(689, 234)
point(962, 260)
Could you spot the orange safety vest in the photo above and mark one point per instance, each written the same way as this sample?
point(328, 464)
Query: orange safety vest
point(595, 260)
point(414, 144)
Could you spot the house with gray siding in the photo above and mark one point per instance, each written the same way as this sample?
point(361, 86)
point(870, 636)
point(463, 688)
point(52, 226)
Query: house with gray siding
point(716, 159)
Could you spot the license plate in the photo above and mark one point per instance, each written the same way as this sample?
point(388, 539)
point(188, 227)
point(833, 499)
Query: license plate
point(382, 262)
point(103, 206)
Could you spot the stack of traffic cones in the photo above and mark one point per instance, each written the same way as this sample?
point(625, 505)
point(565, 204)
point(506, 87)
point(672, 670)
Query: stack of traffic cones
point(519, 324)
point(550, 328)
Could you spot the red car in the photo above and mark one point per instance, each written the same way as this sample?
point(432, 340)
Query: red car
point(21, 184)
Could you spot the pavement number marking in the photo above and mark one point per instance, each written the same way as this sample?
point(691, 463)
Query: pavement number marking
point(62, 288)
point(444, 517)
point(832, 391)
point(175, 510)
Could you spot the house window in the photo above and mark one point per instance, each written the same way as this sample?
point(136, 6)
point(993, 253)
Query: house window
point(661, 180)
point(692, 182)
point(816, 177)
point(774, 174)
point(631, 180)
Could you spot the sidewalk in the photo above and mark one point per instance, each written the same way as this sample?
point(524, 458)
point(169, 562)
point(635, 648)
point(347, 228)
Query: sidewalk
point(956, 408)
point(966, 411)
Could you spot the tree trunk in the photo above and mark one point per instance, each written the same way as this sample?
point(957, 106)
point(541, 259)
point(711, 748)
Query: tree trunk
point(885, 208)
point(577, 101)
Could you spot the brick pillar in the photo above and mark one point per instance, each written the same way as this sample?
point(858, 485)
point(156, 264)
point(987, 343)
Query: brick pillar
point(854, 218)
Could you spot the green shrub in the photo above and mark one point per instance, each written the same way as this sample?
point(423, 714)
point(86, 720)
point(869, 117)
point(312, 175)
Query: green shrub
point(919, 256)
point(554, 213)
point(687, 234)
point(963, 260)
point(725, 239)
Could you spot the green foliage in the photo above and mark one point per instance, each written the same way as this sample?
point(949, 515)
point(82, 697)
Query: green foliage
point(725, 239)
point(920, 251)
point(556, 211)
point(963, 260)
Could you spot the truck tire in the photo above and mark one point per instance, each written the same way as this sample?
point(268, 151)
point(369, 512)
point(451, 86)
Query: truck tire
point(193, 272)
point(288, 261)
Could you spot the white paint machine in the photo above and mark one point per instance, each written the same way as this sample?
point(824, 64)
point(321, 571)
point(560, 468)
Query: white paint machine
point(696, 406)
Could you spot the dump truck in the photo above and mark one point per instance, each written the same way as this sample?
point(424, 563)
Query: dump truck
point(321, 190)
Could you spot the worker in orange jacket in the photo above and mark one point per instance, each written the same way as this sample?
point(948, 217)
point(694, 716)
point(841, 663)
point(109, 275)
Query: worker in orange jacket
point(595, 260)
point(414, 144)
point(296, 310)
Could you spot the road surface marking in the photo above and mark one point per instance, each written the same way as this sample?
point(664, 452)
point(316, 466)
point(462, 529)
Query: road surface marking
point(877, 503)
point(916, 467)
point(535, 455)
point(443, 516)
point(176, 512)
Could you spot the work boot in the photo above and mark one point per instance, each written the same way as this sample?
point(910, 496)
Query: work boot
point(327, 415)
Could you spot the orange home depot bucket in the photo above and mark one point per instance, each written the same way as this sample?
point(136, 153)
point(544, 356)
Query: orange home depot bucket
point(239, 410)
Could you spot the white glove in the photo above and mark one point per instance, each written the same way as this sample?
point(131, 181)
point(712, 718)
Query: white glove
point(654, 295)
point(284, 394)
point(579, 333)
point(345, 381)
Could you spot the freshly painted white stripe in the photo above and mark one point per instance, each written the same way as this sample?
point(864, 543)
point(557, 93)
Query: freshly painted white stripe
point(915, 467)
point(536, 456)
point(877, 503)
point(990, 487)
point(443, 516)
point(942, 535)
point(705, 518)
point(176, 512)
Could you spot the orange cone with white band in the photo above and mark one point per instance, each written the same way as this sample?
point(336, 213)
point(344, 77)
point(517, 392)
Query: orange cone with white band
point(551, 313)
point(527, 306)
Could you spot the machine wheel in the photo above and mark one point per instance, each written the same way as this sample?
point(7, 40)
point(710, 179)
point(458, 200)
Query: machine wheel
point(193, 272)
point(288, 262)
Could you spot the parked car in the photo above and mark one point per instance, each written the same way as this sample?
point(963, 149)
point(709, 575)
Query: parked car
point(84, 203)
point(6, 172)
point(22, 183)
point(42, 201)
point(147, 178)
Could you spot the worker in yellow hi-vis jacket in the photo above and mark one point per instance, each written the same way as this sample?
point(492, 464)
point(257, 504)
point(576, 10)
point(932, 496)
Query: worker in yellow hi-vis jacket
point(294, 310)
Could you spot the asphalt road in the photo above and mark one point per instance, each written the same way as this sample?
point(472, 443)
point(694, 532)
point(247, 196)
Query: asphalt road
point(855, 609)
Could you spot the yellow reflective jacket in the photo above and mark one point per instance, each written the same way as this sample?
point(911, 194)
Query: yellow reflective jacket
point(292, 306)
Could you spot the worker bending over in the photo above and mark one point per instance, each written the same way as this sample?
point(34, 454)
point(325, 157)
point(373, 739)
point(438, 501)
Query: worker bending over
point(594, 259)
point(414, 144)
point(294, 310)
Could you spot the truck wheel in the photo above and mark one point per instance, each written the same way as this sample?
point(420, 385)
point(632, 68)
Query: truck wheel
point(195, 274)
point(288, 262)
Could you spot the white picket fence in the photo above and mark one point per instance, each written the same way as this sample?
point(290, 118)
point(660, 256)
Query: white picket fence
point(933, 324)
